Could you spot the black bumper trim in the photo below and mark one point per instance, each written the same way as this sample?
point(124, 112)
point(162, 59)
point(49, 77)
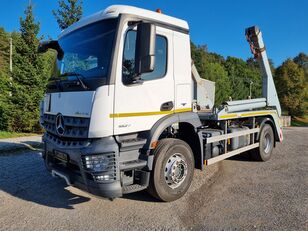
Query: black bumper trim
point(80, 178)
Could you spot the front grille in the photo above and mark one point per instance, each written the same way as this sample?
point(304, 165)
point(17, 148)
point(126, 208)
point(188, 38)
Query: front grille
point(74, 127)
point(64, 143)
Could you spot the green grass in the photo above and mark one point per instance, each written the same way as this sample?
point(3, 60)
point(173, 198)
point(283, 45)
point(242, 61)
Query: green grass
point(300, 121)
point(6, 135)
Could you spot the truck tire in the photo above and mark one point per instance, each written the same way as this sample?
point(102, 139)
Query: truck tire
point(266, 141)
point(173, 170)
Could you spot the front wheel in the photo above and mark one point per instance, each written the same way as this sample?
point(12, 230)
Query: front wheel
point(173, 170)
point(266, 141)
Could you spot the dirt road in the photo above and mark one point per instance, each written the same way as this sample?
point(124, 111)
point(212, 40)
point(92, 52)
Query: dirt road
point(236, 194)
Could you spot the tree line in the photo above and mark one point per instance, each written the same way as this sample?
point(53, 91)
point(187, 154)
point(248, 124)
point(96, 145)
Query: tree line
point(235, 78)
point(22, 89)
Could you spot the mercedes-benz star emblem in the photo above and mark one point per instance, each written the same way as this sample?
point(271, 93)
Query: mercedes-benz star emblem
point(60, 124)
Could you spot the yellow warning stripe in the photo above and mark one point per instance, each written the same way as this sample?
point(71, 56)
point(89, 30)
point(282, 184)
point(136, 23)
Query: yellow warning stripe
point(232, 116)
point(151, 113)
point(229, 116)
point(256, 113)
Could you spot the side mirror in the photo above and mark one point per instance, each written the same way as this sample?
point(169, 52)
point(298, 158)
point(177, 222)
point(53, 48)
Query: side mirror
point(145, 49)
point(52, 44)
point(42, 48)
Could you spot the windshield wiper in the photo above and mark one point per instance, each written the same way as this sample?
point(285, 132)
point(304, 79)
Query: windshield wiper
point(55, 82)
point(79, 78)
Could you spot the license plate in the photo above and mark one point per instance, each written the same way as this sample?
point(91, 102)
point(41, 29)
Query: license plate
point(61, 156)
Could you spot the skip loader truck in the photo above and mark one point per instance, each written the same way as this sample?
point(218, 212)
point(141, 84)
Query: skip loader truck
point(126, 109)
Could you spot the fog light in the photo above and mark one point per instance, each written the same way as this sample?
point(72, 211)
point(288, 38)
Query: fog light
point(103, 178)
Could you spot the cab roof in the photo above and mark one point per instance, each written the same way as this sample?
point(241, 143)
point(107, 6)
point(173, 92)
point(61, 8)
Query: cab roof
point(116, 10)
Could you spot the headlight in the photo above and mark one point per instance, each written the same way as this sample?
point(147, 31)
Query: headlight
point(96, 163)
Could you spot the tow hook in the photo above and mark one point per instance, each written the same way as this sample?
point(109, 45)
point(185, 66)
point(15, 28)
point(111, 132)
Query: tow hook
point(55, 173)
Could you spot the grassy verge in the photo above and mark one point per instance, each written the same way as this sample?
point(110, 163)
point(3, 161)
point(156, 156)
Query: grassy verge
point(6, 135)
point(300, 121)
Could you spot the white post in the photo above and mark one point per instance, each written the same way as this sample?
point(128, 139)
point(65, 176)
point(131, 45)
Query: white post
point(11, 54)
point(250, 84)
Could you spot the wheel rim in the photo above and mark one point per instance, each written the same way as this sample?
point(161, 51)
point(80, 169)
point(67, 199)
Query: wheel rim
point(175, 170)
point(267, 144)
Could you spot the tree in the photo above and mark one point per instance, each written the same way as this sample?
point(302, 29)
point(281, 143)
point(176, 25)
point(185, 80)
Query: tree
point(233, 76)
point(302, 60)
point(5, 81)
point(29, 30)
point(70, 12)
point(210, 66)
point(253, 63)
point(30, 76)
point(4, 100)
point(216, 72)
point(4, 50)
point(241, 76)
point(290, 85)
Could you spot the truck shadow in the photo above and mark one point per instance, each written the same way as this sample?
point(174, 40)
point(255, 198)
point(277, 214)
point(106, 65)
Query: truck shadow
point(141, 196)
point(242, 157)
point(24, 176)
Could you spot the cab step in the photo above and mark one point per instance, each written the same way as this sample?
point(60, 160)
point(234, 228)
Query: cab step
point(131, 165)
point(133, 188)
point(131, 143)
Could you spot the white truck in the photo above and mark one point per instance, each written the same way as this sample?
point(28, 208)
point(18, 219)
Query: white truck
point(126, 109)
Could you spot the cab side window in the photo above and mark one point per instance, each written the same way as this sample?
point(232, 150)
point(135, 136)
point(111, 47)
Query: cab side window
point(128, 67)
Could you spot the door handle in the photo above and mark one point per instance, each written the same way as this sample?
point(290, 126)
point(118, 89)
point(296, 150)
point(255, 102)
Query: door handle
point(167, 106)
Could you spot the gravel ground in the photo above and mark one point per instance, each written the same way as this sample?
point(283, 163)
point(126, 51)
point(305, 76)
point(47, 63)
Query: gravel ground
point(235, 194)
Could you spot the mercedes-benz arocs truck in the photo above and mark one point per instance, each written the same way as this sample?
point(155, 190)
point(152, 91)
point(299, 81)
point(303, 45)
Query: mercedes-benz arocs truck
point(126, 109)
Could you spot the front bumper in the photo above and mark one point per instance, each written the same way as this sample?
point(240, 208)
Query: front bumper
point(73, 170)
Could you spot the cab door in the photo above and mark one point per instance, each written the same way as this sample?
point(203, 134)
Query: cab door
point(138, 106)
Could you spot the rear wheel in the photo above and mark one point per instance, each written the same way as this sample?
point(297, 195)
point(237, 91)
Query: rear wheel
point(172, 171)
point(266, 141)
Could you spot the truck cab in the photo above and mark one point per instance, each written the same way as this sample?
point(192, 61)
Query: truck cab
point(122, 97)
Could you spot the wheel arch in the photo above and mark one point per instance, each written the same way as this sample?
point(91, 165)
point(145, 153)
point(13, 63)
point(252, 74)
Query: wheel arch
point(188, 124)
point(270, 121)
point(189, 134)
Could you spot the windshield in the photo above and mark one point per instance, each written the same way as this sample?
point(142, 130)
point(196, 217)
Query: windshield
point(87, 54)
